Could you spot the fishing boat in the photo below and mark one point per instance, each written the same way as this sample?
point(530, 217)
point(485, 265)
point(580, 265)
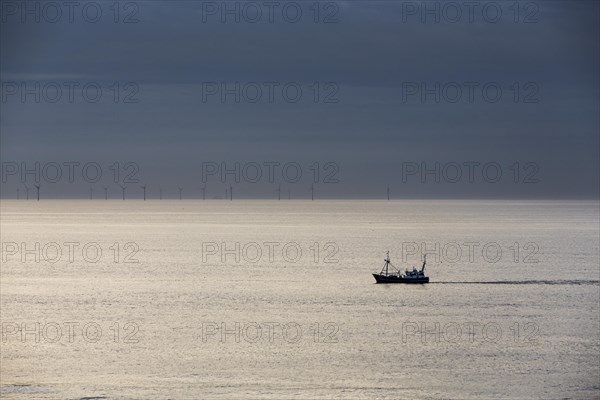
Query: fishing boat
point(395, 276)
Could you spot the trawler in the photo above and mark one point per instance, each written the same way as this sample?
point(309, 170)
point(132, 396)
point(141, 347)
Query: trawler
point(414, 276)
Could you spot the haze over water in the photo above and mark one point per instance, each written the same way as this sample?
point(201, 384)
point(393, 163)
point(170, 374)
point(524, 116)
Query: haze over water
point(518, 324)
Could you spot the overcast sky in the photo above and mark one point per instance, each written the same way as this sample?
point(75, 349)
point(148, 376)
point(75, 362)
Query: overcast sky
point(386, 91)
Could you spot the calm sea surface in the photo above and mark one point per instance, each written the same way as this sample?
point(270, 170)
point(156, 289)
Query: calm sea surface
point(275, 299)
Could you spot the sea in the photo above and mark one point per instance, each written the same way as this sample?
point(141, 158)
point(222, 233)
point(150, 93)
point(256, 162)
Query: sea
point(268, 299)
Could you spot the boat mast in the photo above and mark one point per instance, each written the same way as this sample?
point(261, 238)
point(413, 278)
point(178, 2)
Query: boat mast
point(387, 262)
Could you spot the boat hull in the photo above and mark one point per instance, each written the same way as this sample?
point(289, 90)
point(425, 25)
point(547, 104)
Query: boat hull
point(396, 279)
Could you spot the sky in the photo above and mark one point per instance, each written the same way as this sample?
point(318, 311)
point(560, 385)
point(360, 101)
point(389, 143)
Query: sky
point(349, 98)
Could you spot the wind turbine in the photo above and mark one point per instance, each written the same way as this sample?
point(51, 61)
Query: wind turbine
point(203, 188)
point(312, 192)
point(26, 192)
point(226, 193)
point(180, 193)
point(279, 192)
point(123, 188)
point(230, 193)
point(289, 194)
point(144, 187)
point(388, 193)
point(18, 194)
point(160, 193)
point(105, 192)
point(91, 193)
point(38, 191)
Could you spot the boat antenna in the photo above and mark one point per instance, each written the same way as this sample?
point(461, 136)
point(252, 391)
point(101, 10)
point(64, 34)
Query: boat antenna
point(424, 262)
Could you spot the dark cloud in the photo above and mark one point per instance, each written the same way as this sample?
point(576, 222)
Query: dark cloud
point(364, 120)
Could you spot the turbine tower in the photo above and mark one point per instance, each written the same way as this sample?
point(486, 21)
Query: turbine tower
point(160, 193)
point(388, 193)
point(105, 192)
point(144, 187)
point(91, 193)
point(180, 193)
point(26, 192)
point(38, 191)
point(279, 192)
point(18, 194)
point(123, 188)
point(289, 194)
point(312, 192)
point(230, 193)
point(203, 188)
